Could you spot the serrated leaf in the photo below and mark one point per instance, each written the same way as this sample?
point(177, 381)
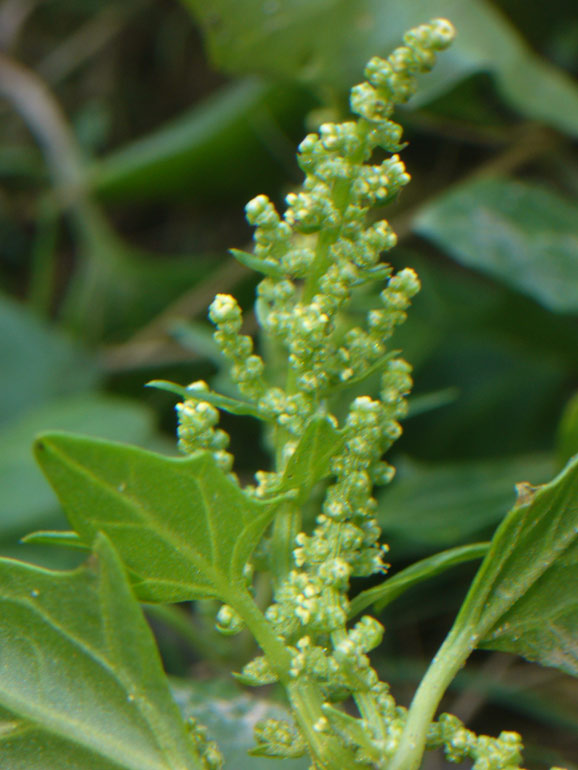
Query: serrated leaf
point(520, 234)
point(184, 529)
point(311, 460)
point(81, 682)
point(524, 598)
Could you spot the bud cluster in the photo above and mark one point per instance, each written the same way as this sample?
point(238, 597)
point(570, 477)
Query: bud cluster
point(461, 744)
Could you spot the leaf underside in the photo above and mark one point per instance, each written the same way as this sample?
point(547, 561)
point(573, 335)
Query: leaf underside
point(81, 682)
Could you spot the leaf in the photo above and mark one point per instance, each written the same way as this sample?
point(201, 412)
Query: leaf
point(520, 234)
point(567, 438)
point(182, 527)
point(230, 715)
point(433, 506)
point(392, 587)
point(58, 538)
point(60, 367)
point(193, 151)
point(81, 682)
point(232, 405)
point(311, 460)
point(524, 598)
point(26, 500)
point(282, 40)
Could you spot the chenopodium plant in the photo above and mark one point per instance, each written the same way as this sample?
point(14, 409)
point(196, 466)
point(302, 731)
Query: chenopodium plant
point(178, 529)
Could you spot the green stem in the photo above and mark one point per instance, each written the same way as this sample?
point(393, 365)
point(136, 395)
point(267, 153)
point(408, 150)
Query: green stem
point(273, 646)
point(327, 751)
point(286, 527)
point(341, 196)
point(305, 696)
point(450, 658)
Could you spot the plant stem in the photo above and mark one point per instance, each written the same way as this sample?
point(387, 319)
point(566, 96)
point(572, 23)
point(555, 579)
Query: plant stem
point(328, 752)
point(273, 646)
point(286, 527)
point(450, 658)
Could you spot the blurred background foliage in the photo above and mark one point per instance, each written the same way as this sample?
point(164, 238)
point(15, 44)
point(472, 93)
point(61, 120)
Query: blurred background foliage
point(131, 136)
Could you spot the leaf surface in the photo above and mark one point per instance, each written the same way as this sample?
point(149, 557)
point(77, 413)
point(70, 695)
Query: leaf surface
point(81, 682)
point(230, 715)
point(184, 529)
point(60, 367)
point(26, 500)
point(524, 598)
point(425, 569)
point(433, 506)
point(283, 40)
point(311, 460)
point(520, 234)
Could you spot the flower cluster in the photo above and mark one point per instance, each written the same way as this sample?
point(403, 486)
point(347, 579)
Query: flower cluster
point(314, 258)
point(196, 429)
point(487, 753)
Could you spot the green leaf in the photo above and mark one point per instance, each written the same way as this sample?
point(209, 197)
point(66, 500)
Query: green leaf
point(392, 587)
point(311, 460)
point(520, 234)
point(524, 597)
point(26, 500)
point(61, 368)
point(56, 537)
point(232, 405)
point(230, 715)
point(567, 438)
point(81, 682)
point(184, 529)
point(283, 41)
point(522, 600)
point(433, 506)
point(193, 152)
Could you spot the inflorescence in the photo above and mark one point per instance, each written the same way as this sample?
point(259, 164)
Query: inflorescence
point(314, 258)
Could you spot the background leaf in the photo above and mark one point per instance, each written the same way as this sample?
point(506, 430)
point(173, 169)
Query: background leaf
point(183, 528)
point(432, 506)
point(26, 500)
point(386, 592)
point(61, 367)
point(520, 234)
point(193, 151)
point(230, 716)
point(283, 40)
point(81, 683)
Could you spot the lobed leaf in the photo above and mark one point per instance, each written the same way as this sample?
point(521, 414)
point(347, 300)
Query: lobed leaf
point(81, 682)
point(184, 529)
